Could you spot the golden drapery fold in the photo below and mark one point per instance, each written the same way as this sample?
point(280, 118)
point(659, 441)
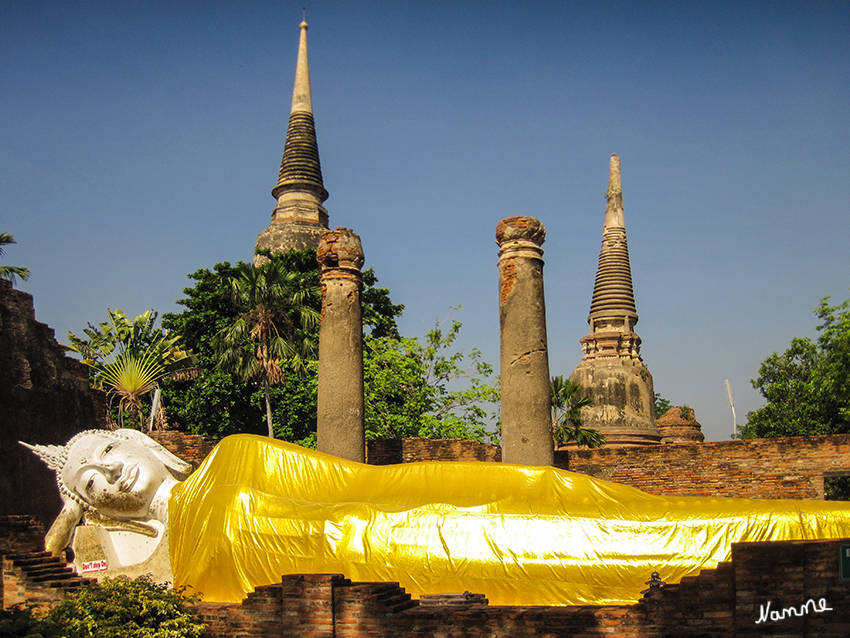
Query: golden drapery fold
point(257, 509)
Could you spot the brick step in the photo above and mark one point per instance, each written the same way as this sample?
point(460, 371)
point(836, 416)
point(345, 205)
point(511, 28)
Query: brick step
point(383, 590)
point(33, 558)
point(394, 598)
point(48, 571)
point(52, 575)
point(402, 606)
point(44, 568)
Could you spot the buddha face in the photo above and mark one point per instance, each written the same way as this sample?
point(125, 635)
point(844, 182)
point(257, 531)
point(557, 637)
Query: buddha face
point(117, 476)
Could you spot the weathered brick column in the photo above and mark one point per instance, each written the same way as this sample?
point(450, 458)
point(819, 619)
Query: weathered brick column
point(526, 434)
point(340, 410)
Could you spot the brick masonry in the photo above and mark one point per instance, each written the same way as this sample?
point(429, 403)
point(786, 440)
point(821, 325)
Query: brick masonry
point(44, 398)
point(726, 601)
point(192, 448)
point(29, 575)
point(791, 467)
point(390, 451)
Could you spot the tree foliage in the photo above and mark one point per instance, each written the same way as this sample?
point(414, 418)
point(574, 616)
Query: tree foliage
point(807, 387)
point(11, 272)
point(661, 405)
point(217, 403)
point(411, 388)
point(410, 385)
point(274, 329)
point(567, 403)
point(128, 359)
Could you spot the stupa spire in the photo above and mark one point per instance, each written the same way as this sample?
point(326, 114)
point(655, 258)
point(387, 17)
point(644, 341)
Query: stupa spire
point(302, 98)
point(299, 218)
point(613, 293)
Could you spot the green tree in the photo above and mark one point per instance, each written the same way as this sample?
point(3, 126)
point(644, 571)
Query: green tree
point(807, 388)
point(744, 432)
point(275, 324)
point(217, 403)
point(10, 272)
point(411, 388)
point(567, 403)
point(128, 359)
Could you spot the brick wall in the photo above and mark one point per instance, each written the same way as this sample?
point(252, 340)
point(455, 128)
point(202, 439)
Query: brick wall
point(722, 602)
point(28, 574)
point(19, 534)
point(192, 448)
point(44, 398)
point(390, 451)
point(791, 467)
point(20, 589)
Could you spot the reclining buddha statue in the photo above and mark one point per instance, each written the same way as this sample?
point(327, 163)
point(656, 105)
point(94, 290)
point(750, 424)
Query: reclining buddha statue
point(258, 508)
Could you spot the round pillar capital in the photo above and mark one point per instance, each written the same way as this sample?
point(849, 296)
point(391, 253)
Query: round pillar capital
point(340, 248)
point(520, 229)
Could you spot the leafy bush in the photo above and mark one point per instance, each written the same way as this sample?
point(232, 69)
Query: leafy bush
point(21, 622)
point(124, 608)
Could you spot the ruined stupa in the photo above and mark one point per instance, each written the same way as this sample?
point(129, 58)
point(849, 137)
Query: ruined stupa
point(298, 218)
point(679, 425)
point(612, 371)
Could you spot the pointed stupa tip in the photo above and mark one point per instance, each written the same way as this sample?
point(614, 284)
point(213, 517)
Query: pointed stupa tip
point(302, 99)
point(614, 209)
point(613, 293)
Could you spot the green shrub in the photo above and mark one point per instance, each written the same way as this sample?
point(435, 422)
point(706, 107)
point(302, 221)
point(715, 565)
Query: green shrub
point(22, 622)
point(124, 608)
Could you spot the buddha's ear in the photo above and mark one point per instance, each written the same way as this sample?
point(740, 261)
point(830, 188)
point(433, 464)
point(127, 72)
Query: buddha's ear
point(59, 535)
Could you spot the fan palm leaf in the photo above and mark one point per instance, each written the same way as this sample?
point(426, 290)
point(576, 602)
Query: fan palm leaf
point(128, 357)
point(130, 377)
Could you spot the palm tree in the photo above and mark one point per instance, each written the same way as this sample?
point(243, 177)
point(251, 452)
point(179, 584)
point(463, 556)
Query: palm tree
point(128, 358)
point(10, 272)
point(566, 414)
point(276, 319)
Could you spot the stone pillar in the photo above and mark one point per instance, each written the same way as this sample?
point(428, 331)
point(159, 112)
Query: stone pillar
point(340, 411)
point(526, 432)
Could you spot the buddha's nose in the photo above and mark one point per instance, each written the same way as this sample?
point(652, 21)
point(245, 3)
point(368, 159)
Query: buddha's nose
point(112, 470)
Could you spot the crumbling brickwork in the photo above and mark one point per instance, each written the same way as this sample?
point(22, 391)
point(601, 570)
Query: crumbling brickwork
point(44, 398)
point(791, 467)
point(728, 601)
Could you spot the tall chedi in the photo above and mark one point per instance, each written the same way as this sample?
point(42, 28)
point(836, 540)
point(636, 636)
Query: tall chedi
point(612, 371)
point(299, 218)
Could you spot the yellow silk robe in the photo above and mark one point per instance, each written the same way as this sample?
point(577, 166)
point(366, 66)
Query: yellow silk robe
point(257, 509)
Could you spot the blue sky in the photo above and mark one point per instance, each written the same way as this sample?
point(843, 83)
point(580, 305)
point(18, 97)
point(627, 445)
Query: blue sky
point(140, 142)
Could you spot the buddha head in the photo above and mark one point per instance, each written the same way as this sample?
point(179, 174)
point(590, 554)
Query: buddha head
point(119, 474)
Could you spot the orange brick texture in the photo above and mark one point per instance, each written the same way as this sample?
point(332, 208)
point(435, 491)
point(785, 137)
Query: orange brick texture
point(792, 467)
point(722, 602)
